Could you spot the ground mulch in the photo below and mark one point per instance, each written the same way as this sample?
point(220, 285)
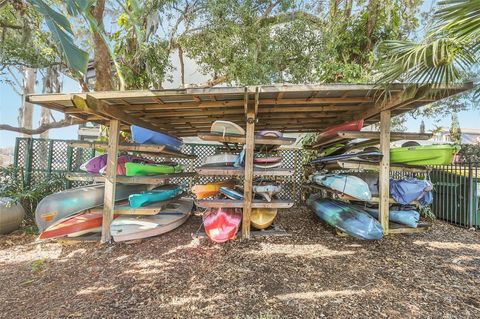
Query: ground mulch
point(310, 274)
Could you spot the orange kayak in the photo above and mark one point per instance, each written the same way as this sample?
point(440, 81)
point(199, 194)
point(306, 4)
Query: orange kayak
point(81, 223)
point(211, 189)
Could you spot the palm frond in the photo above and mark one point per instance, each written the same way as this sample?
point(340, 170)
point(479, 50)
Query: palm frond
point(460, 18)
point(436, 61)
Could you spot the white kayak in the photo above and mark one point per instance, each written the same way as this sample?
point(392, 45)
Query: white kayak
point(267, 191)
point(129, 227)
point(226, 128)
point(345, 184)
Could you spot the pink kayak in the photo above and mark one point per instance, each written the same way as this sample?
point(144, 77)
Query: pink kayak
point(267, 133)
point(265, 160)
point(332, 131)
point(221, 224)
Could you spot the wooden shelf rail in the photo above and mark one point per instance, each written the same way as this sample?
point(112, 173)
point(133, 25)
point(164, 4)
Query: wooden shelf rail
point(154, 179)
point(229, 203)
point(364, 165)
point(130, 147)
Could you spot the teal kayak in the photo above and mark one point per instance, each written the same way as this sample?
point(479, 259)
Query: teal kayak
point(405, 217)
point(158, 194)
point(347, 218)
point(346, 184)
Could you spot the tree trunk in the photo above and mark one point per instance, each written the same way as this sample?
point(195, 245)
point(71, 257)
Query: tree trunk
point(373, 7)
point(51, 84)
point(347, 12)
point(25, 113)
point(101, 59)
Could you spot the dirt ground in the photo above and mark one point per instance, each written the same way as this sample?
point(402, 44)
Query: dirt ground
point(310, 274)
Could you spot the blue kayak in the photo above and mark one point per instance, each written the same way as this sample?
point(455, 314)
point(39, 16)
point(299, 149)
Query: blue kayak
point(346, 184)
point(142, 135)
point(230, 193)
point(405, 217)
point(347, 218)
point(158, 194)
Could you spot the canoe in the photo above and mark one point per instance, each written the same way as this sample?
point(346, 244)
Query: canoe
point(85, 222)
point(226, 128)
point(424, 154)
point(333, 130)
point(219, 160)
point(267, 160)
point(139, 169)
point(362, 156)
point(58, 206)
point(142, 135)
point(267, 133)
point(210, 189)
point(346, 184)
point(262, 218)
point(347, 218)
point(164, 192)
point(267, 191)
point(221, 224)
point(405, 217)
point(230, 193)
point(267, 165)
point(174, 215)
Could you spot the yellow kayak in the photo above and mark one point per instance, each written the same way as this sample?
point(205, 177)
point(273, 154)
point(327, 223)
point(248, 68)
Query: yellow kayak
point(261, 218)
point(210, 189)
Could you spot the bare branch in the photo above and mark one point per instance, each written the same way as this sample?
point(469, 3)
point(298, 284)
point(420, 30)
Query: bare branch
point(42, 128)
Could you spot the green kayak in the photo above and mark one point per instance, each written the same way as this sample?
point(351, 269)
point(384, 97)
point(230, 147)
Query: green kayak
point(139, 169)
point(424, 154)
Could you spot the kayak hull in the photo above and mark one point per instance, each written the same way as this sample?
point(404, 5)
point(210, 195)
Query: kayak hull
point(145, 136)
point(230, 193)
point(210, 189)
point(58, 206)
point(173, 216)
point(346, 184)
point(347, 218)
point(226, 128)
point(408, 218)
point(333, 130)
point(424, 154)
point(262, 218)
point(221, 224)
point(220, 160)
point(140, 169)
point(159, 194)
point(267, 160)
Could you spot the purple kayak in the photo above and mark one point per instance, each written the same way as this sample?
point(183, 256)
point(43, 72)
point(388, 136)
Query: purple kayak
point(94, 165)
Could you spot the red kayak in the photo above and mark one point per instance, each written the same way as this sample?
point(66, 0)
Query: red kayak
point(221, 224)
point(332, 131)
point(265, 160)
point(80, 223)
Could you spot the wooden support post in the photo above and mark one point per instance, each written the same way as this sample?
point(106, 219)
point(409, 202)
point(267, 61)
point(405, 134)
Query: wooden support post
point(247, 186)
point(110, 179)
point(384, 172)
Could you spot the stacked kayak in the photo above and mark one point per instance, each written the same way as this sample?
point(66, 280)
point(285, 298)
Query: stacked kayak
point(346, 184)
point(231, 193)
point(218, 160)
point(267, 162)
point(158, 194)
point(210, 189)
point(408, 217)
point(221, 224)
point(262, 218)
point(226, 128)
point(347, 218)
point(58, 206)
point(142, 135)
point(333, 130)
point(424, 154)
point(140, 169)
point(171, 217)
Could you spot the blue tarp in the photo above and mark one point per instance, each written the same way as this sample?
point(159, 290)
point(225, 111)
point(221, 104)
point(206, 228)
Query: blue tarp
point(405, 191)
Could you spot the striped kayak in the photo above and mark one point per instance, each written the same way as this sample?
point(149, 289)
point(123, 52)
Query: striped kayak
point(346, 184)
point(158, 194)
point(140, 169)
point(171, 217)
point(347, 218)
point(221, 224)
point(142, 135)
point(211, 189)
point(58, 206)
point(262, 218)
